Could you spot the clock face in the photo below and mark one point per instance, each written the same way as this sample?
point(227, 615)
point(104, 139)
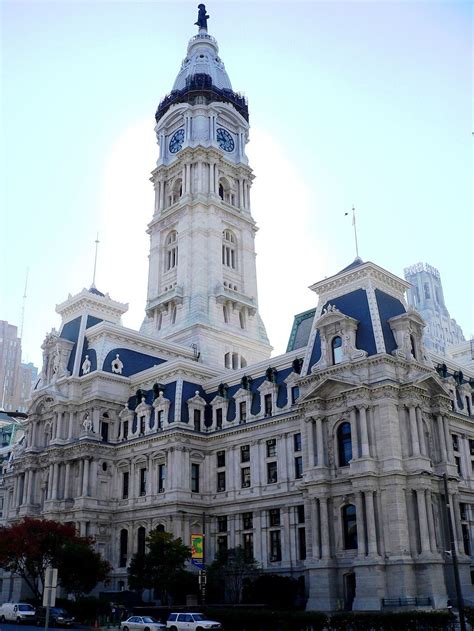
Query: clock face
point(176, 141)
point(224, 139)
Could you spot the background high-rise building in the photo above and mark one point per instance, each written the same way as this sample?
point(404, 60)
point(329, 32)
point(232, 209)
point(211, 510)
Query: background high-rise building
point(426, 296)
point(16, 379)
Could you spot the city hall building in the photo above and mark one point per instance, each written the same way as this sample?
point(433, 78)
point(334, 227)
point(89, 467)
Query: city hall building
point(326, 463)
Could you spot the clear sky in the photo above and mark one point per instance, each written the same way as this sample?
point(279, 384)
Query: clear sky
point(365, 103)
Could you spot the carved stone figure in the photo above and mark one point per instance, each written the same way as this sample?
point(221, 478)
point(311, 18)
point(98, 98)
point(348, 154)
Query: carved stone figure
point(86, 366)
point(117, 365)
point(87, 424)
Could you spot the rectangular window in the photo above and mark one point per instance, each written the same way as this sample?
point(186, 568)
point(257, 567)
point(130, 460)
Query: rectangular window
point(272, 475)
point(159, 420)
point(245, 477)
point(247, 521)
point(297, 442)
point(220, 458)
point(1, 506)
point(222, 523)
point(221, 481)
point(466, 540)
point(301, 544)
point(268, 404)
point(463, 511)
point(125, 482)
point(245, 453)
point(219, 418)
point(197, 420)
point(295, 393)
point(298, 467)
point(455, 442)
point(222, 543)
point(243, 411)
point(194, 478)
point(471, 446)
point(247, 544)
point(300, 514)
point(275, 545)
point(161, 477)
point(274, 516)
point(271, 448)
point(125, 429)
point(142, 424)
point(143, 481)
point(104, 431)
point(458, 465)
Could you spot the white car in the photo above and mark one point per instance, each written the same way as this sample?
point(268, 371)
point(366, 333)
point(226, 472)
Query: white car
point(190, 622)
point(142, 623)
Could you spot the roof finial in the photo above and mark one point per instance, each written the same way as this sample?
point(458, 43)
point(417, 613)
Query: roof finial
point(202, 17)
point(95, 261)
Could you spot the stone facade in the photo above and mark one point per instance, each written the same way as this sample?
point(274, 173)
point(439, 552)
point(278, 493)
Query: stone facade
point(326, 462)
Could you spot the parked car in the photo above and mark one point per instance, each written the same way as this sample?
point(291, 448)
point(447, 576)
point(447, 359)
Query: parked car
point(57, 617)
point(190, 622)
point(142, 623)
point(17, 612)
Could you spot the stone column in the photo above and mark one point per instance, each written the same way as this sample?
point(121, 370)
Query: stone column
point(70, 431)
point(24, 495)
point(421, 433)
point(50, 482)
point(315, 524)
point(258, 534)
point(59, 425)
point(85, 477)
point(371, 525)
point(29, 491)
point(448, 439)
point(286, 543)
point(414, 431)
point(325, 542)
point(132, 482)
point(309, 444)
point(364, 434)
point(320, 441)
point(67, 476)
point(54, 490)
point(354, 434)
point(361, 547)
point(431, 525)
point(442, 438)
point(423, 520)
point(282, 456)
point(34, 428)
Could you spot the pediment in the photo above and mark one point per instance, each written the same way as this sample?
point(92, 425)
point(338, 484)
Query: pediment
point(327, 387)
point(432, 384)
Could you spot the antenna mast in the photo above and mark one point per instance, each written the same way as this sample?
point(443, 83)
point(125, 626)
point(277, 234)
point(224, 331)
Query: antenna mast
point(355, 230)
point(22, 319)
point(95, 260)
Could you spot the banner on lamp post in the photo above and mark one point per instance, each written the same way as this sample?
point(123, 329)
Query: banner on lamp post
point(197, 550)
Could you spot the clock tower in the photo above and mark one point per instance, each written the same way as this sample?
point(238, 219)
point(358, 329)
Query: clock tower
point(202, 286)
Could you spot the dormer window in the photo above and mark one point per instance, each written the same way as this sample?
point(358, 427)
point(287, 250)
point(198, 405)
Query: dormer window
point(336, 348)
point(161, 406)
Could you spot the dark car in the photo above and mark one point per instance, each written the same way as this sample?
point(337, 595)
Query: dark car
point(57, 617)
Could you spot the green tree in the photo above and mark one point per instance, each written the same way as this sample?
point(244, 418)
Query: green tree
point(28, 547)
point(161, 565)
point(232, 569)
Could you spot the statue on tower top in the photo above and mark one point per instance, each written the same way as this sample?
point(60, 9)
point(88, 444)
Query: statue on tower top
point(202, 17)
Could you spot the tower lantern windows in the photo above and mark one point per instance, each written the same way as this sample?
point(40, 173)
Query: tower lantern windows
point(171, 251)
point(229, 254)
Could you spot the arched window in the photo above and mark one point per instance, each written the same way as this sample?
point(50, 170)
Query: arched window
point(160, 528)
point(349, 527)
point(336, 347)
point(229, 258)
point(426, 288)
point(413, 346)
point(141, 534)
point(173, 314)
point(243, 362)
point(242, 320)
point(228, 360)
point(344, 444)
point(225, 310)
point(159, 322)
point(171, 252)
point(221, 191)
point(123, 548)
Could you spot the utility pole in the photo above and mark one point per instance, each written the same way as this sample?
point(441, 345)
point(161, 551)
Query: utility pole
point(452, 549)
